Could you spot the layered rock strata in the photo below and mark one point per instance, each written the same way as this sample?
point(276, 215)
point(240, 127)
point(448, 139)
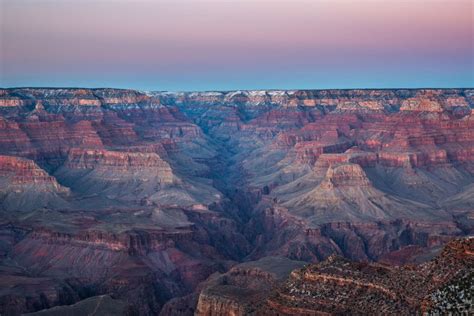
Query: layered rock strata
point(144, 195)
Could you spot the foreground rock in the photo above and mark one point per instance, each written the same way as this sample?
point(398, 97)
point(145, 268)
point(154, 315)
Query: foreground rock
point(237, 291)
point(337, 286)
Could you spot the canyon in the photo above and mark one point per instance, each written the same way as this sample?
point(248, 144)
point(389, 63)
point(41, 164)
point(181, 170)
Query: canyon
point(233, 203)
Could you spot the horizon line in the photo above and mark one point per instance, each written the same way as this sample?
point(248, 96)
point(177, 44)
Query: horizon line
point(233, 90)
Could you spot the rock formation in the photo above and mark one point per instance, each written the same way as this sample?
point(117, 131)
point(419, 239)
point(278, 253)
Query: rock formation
point(337, 286)
point(244, 285)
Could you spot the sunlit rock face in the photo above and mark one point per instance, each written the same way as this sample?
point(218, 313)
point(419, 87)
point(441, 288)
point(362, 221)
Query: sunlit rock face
point(143, 197)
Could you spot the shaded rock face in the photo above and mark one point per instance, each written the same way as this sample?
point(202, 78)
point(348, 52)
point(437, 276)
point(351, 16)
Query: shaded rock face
point(237, 291)
point(100, 305)
point(144, 196)
point(24, 185)
point(99, 170)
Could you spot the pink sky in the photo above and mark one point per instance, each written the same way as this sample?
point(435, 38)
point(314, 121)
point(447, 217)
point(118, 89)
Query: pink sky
point(194, 44)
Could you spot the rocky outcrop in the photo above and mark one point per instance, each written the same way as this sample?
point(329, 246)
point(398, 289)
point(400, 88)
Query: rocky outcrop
point(236, 291)
point(346, 194)
point(338, 286)
point(22, 172)
point(345, 175)
point(114, 165)
point(25, 186)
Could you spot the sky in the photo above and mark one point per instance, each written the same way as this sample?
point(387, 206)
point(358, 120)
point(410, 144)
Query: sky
point(237, 44)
